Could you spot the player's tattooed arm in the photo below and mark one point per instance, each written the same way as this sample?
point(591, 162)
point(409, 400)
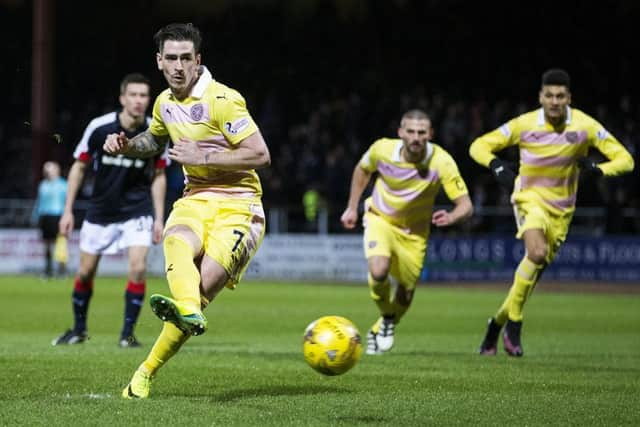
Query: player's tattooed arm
point(146, 144)
point(143, 145)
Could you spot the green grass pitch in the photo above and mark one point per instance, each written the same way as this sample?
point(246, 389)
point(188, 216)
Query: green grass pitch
point(581, 364)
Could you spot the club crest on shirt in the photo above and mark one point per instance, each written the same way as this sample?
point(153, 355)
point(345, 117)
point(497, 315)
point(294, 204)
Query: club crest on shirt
point(237, 126)
point(197, 111)
point(572, 136)
point(372, 244)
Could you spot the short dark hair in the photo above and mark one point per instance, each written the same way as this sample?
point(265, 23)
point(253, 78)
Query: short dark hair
point(556, 77)
point(178, 32)
point(133, 78)
point(415, 114)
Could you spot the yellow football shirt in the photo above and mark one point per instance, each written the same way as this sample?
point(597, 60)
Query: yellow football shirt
point(548, 171)
point(216, 118)
point(404, 193)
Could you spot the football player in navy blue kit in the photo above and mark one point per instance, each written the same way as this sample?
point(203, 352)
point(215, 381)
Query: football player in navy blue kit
point(126, 208)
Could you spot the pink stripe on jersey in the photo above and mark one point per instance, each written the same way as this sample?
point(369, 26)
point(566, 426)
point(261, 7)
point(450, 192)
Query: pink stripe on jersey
point(407, 194)
point(554, 138)
point(547, 181)
point(379, 203)
point(393, 171)
point(177, 113)
point(563, 204)
point(529, 158)
point(219, 177)
point(235, 193)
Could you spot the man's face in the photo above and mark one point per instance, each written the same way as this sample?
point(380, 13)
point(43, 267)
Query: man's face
point(414, 134)
point(51, 170)
point(554, 100)
point(135, 99)
point(179, 63)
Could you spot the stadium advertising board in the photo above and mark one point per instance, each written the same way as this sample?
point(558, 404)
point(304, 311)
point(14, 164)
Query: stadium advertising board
point(495, 257)
point(340, 257)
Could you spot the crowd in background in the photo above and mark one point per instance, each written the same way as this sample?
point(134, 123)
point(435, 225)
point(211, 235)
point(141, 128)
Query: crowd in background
point(325, 81)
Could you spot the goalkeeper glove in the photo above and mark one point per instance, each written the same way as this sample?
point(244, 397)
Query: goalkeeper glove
point(502, 173)
point(589, 167)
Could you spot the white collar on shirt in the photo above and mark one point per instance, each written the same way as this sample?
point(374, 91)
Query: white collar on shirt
point(397, 157)
point(203, 81)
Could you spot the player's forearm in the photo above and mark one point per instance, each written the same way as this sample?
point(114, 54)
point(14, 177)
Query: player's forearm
point(359, 182)
point(240, 158)
point(463, 209)
point(74, 181)
point(620, 162)
point(482, 149)
point(145, 145)
point(158, 193)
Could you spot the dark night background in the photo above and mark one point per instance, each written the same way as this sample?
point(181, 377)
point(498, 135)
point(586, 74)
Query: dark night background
point(323, 79)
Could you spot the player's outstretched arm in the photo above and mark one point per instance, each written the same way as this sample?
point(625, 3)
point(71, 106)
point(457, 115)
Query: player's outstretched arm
point(359, 182)
point(463, 210)
point(142, 146)
point(251, 153)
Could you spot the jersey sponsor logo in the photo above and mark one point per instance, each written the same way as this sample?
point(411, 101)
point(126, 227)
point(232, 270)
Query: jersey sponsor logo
point(122, 162)
point(237, 126)
point(602, 134)
point(197, 111)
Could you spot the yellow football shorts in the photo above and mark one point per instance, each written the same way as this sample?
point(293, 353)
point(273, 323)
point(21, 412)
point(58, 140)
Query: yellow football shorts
point(231, 230)
point(531, 215)
point(407, 251)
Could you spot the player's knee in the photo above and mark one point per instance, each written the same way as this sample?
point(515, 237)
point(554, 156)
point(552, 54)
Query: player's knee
point(538, 254)
point(379, 274)
point(379, 268)
point(179, 240)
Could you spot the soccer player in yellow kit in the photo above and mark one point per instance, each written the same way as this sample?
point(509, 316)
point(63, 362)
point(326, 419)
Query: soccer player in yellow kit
point(218, 224)
point(553, 141)
point(398, 215)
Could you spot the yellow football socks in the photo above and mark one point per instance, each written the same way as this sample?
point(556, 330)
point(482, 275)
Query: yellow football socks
point(525, 279)
point(380, 291)
point(182, 274)
point(168, 343)
point(376, 326)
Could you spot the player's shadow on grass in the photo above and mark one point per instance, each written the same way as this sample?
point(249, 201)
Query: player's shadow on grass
point(274, 391)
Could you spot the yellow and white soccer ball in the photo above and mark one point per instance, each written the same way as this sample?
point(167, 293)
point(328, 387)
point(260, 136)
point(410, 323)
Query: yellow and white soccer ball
point(332, 345)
